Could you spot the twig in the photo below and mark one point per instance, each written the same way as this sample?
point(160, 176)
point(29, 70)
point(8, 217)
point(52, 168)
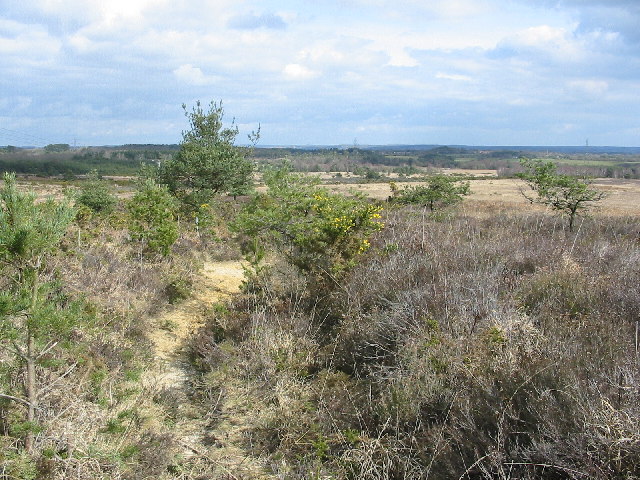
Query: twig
point(466, 472)
point(51, 385)
point(16, 399)
point(208, 458)
point(576, 237)
point(548, 465)
point(47, 349)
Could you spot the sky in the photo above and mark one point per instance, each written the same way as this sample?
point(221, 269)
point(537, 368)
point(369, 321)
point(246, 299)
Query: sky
point(336, 72)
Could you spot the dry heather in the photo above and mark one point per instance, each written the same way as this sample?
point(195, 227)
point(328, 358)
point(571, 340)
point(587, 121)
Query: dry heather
point(482, 343)
point(491, 345)
point(98, 419)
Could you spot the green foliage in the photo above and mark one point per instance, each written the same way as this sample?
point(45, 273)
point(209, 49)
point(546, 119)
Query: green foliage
point(29, 230)
point(152, 212)
point(96, 195)
point(37, 309)
point(367, 173)
point(178, 289)
point(34, 315)
point(208, 162)
point(439, 191)
point(319, 232)
point(565, 194)
point(18, 466)
point(57, 147)
point(406, 170)
point(321, 448)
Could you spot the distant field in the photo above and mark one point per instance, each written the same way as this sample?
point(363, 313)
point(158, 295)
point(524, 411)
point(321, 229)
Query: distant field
point(623, 196)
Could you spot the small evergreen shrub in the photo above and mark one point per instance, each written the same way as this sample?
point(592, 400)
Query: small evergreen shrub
point(153, 223)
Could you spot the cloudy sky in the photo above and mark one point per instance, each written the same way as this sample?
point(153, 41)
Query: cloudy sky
point(475, 72)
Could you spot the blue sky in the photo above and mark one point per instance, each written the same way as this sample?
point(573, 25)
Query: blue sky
point(475, 72)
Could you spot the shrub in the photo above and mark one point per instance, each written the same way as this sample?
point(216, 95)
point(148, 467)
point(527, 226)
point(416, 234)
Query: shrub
point(485, 348)
point(96, 195)
point(564, 194)
point(152, 211)
point(319, 232)
point(439, 191)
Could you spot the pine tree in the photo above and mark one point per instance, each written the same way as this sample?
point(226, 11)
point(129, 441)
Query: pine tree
point(34, 316)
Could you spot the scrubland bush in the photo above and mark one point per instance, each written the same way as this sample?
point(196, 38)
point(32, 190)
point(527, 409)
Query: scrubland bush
point(566, 194)
point(96, 195)
point(486, 346)
point(152, 212)
point(439, 191)
point(318, 232)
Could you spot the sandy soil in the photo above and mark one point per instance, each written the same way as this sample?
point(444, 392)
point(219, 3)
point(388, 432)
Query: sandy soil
point(173, 371)
point(217, 281)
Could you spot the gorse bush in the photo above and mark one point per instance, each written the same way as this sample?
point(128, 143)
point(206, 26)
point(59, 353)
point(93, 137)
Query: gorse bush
point(320, 233)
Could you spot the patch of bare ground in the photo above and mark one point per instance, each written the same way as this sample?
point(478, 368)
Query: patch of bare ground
point(217, 450)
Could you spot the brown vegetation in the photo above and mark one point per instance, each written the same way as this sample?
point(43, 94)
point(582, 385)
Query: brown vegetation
point(488, 345)
point(486, 342)
point(623, 196)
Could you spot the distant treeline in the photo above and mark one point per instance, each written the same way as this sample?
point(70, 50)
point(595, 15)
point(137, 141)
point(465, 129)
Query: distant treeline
point(61, 160)
point(125, 160)
point(351, 159)
point(406, 160)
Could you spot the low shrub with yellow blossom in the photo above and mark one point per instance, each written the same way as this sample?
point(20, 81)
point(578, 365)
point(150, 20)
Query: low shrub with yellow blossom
point(319, 232)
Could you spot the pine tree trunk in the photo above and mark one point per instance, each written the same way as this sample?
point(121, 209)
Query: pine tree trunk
point(30, 378)
point(30, 387)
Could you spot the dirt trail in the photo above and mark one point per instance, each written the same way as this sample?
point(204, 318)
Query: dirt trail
point(173, 373)
point(217, 281)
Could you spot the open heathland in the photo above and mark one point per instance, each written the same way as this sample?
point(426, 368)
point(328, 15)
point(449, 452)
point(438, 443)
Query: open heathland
point(405, 315)
point(479, 341)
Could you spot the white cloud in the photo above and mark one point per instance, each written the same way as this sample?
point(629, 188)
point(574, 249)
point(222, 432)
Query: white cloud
point(251, 21)
point(556, 43)
point(454, 77)
point(28, 43)
point(398, 57)
point(336, 64)
point(590, 87)
point(295, 71)
point(96, 10)
point(193, 76)
point(459, 8)
point(437, 8)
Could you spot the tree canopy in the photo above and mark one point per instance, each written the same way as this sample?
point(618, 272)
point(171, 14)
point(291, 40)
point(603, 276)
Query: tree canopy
point(565, 194)
point(439, 190)
point(208, 162)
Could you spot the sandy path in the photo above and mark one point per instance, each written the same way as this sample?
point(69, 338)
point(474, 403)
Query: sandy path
point(217, 281)
point(173, 372)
